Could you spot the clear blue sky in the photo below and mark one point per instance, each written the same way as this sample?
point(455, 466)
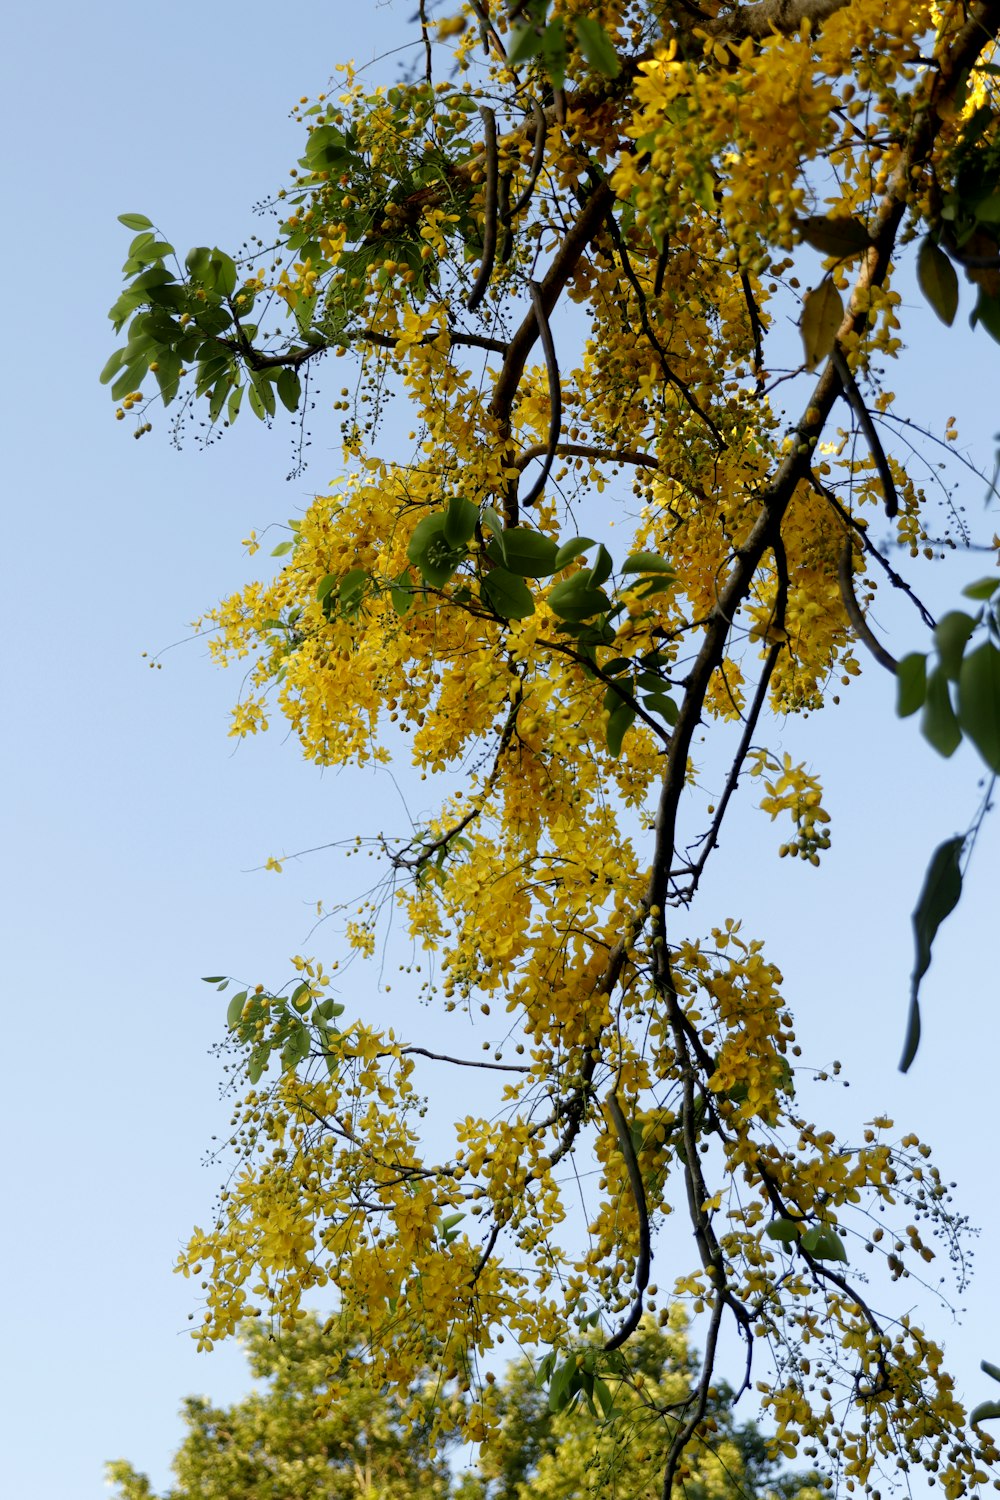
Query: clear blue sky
point(131, 823)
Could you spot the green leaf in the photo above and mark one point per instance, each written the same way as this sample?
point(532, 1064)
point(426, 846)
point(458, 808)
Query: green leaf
point(822, 315)
point(508, 594)
point(218, 401)
point(823, 1243)
point(785, 1231)
point(112, 367)
point(573, 548)
point(135, 221)
point(596, 46)
point(911, 683)
point(987, 312)
point(601, 570)
point(490, 518)
point(197, 262)
point(938, 724)
point(256, 404)
point(554, 52)
point(526, 43)
point(938, 280)
point(575, 599)
point(233, 407)
point(619, 722)
point(430, 551)
point(646, 562)
point(401, 593)
point(951, 633)
point(979, 702)
point(213, 320)
point(130, 379)
point(168, 374)
point(659, 703)
point(352, 591)
point(281, 549)
point(212, 978)
point(983, 588)
point(942, 890)
point(984, 1412)
point(835, 234)
point(525, 552)
point(564, 1384)
point(993, 1371)
point(234, 1011)
point(289, 388)
point(460, 520)
point(220, 273)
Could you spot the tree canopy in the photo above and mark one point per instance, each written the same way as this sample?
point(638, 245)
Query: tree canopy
point(274, 1444)
point(629, 264)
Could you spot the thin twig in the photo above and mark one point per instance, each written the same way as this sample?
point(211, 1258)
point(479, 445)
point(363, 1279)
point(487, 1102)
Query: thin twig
point(588, 450)
point(461, 1062)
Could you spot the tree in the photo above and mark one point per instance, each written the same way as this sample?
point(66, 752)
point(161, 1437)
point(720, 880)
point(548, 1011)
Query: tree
point(273, 1446)
point(575, 257)
point(273, 1443)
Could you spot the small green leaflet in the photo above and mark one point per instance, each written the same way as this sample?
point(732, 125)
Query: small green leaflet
point(596, 46)
point(979, 702)
point(135, 221)
point(938, 280)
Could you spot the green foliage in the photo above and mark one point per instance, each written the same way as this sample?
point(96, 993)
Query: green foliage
point(559, 1443)
point(273, 1445)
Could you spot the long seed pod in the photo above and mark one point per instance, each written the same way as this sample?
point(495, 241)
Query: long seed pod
point(555, 394)
point(854, 396)
point(537, 160)
point(489, 208)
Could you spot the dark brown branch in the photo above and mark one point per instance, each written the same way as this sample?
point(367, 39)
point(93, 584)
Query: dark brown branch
point(627, 1149)
point(470, 340)
point(461, 1062)
point(863, 415)
point(862, 629)
point(489, 208)
point(756, 328)
point(550, 289)
point(588, 450)
point(425, 33)
point(768, 16)
point(555, 396)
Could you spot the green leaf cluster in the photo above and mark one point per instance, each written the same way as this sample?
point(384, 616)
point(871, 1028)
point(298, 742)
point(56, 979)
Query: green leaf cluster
point(958, 688)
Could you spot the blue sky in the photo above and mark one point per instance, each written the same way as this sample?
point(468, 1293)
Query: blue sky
point(131, 823)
